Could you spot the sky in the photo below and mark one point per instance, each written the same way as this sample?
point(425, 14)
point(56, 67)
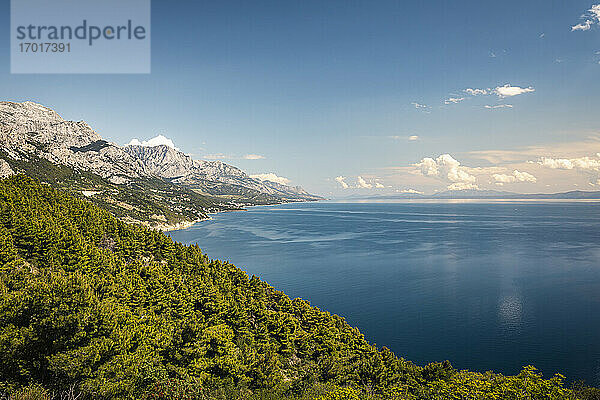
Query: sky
point(358, 97)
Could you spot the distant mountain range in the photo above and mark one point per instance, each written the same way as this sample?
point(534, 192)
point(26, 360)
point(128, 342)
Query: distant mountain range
point(158, 186)
point(482, 194)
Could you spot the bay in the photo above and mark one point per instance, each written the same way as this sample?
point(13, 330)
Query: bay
point(488, 286)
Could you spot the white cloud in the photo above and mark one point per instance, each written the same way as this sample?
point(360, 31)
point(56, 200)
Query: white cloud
point(509, 91)
point(448, 169)
point(410, 138)
point(159, 140)
point(463, 186)
point(476, 92)
point(422, 107)
point(409, 191)
point(453, 100)
point(581, 163)
point(363, 184)
point(503, 178)
point(253, 157)
point(271, 177)
point(592, 17)
point(556, 163)
point(524, 176)
point(587, 165)
point(341, 181)
point(498, 106)
point(517, 176)
point(379, 185)
point(585, 26)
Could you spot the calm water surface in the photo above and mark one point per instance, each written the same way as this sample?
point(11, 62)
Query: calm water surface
point(487, 286)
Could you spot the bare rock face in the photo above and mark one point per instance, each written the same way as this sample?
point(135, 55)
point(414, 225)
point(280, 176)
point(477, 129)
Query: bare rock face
point(29, 122)
point(5, 170)
point(162, 160)
point(32, 128)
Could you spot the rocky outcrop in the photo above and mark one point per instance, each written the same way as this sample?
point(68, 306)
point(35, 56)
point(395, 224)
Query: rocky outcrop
point(5, 169)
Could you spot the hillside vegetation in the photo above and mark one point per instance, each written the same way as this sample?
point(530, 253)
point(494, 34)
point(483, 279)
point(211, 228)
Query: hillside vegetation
point(92, 305)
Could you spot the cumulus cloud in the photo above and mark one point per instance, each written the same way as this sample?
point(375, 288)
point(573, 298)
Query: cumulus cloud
point(409, 191)
point(447, 168)
point(363, 184)
point(379, 185)
point(556, 163)
point(159, 140)
point(341, 181)
point(453, 100)
point(517, 176)
point(581, 163)
point(463, 186)
point(413, 138)
point(253, 157)
point(476, 92)
point(271, 177)
point(585, 26)
point(592, 16)
point(589, 166)
point(498, 106)
point(510, 91)
point(524, 176)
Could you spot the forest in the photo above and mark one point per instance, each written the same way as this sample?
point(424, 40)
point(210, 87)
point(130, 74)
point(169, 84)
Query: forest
point(94, 308)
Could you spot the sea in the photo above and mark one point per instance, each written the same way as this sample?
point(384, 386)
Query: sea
point(488, 285)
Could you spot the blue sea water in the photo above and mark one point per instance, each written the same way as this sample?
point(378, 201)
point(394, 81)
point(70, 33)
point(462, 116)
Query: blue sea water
point(487, 286)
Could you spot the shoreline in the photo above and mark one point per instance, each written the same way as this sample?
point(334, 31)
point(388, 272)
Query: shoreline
point(180, 226)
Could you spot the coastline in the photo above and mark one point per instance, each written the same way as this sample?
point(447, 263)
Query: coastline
point(180, 225)
point(188, 224)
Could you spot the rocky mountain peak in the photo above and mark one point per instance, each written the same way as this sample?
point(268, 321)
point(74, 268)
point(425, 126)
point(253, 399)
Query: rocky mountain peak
point(29, 123)
point(161, 160)
point(31, 128)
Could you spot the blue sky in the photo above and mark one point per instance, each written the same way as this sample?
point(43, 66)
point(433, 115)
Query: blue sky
point(326, 90)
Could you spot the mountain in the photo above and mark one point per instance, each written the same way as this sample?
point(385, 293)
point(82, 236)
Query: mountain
point(156, 186)
point(94, 308)
point(168, 163)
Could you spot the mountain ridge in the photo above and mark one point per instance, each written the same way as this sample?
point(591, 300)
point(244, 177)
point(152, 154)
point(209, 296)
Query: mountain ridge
point(157, 186)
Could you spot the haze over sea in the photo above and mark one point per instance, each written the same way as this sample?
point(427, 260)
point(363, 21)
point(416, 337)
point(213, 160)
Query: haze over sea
point(489, 286)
